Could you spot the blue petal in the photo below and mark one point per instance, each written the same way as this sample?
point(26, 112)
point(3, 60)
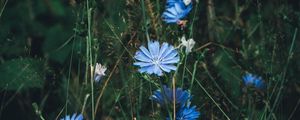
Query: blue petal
point(167, 51)
point(170, 60)
point(157, 70)
point(154, 48)
point(171, 12)
point(187, 113)
point(79, 117)
point(97, 78)
point(259, 83)
point(181, 4)
point(163, 48)
point(145, 69)
point(142, 57)
point(248, 79)
point(168, 15)
point(178, 8)
point(184, 13)
point(157, 97)
point(165, 68)
point(168, 68)
point(170, 20)
point(146, 52)
point(143, 64)
point(170, 3)
point(166, 95)
point(73, 116)
point(67, 117)
point(170, 56)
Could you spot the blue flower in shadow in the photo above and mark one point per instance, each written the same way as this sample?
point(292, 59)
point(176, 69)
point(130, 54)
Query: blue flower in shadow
point(73, 117)
point(165, 96)
point(253, 80)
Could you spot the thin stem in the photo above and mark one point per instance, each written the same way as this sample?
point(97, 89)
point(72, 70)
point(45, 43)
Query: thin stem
point(192, 24)
point(209, 96)
point(89, 55)
point(193, 76)
point(284, 71)
point(106, 82)
point(210, 19)
point(294, 110)
point(183, 72)
point(118, 38)
point(165, 96)
point(174, 98)
point(3, 8)
point(144, 19)
point(140, 99)
point(218, 87)
point(84, 103)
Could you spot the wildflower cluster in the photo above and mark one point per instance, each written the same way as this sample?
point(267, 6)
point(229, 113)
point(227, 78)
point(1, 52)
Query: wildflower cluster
point(157, 59)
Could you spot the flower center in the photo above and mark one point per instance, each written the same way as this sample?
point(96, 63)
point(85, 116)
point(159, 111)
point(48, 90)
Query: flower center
point(156, 61)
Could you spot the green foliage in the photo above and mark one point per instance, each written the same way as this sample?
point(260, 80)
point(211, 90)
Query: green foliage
point(230, 72)
point(58, 8)
point(57, 44)
point(22, 74)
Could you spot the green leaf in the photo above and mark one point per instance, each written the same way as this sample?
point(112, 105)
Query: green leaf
point(22, 74)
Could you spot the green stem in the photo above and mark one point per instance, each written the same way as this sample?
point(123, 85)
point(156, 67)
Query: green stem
point(192, 24)
point(210, 96)
point(218, 87)
point(284, 73)
point(89, 55)
point(183, 72)
point(193, 76)
point(145, 21)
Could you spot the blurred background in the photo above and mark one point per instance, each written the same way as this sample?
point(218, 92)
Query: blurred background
point(48, 46)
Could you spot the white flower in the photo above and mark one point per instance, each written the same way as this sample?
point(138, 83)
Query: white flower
point(187, 2)
point(99, 72)
point(188, 44)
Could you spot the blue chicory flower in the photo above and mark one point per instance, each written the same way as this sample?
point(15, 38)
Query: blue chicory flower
point(250, 79)
point(73, 117)
point(165, 96)
point(176, 10)
point(187, 113)
point(156, 59)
